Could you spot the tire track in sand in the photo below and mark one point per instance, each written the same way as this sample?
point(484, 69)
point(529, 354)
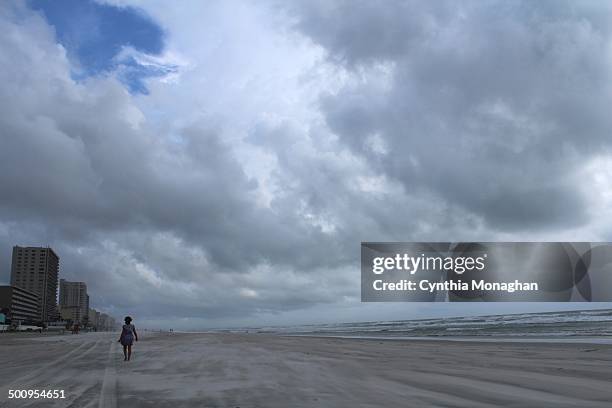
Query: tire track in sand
point(31, 375)
point(108, 393)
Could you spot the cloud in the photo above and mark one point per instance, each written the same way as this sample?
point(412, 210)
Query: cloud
point(136, 212)
point(494, 107)
point(238, 188)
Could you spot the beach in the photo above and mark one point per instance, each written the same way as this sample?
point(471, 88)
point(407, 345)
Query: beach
point(263, 370)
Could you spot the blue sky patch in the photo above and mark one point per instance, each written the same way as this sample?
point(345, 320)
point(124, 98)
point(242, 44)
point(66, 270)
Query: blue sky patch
point(94, 34)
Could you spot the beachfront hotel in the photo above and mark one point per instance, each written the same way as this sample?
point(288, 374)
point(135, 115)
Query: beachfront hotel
point(36, 269)
point(74, 301)
point(106, 323)
point(21, 304)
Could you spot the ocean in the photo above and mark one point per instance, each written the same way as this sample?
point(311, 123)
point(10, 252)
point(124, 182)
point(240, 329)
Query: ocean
point(566, 324)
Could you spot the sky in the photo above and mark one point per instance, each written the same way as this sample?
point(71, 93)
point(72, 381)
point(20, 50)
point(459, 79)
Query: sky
point(217, 164)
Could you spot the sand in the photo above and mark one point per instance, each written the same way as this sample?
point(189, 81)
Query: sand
point(254, 370)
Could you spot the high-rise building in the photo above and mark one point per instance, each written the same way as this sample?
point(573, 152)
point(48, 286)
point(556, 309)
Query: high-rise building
point(103, 322)
point(106, 323)
point(36, 269)
point(22, 305)
point(74, 301)
point(93, 320)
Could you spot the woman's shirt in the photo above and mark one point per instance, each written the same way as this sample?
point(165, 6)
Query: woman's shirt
point(128, 329)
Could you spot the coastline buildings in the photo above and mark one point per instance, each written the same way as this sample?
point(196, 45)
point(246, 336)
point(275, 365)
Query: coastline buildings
point(93, 317)
point(22, 305)
point(74, 302)
point(36, 269)
point(106, 323)
point(32, 298)
point(101, 321)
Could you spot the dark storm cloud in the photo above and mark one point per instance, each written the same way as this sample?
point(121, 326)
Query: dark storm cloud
point(492, 106)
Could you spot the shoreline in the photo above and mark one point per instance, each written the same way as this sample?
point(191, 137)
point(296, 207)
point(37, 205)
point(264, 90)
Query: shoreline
point(602, 340)
point(472, 339)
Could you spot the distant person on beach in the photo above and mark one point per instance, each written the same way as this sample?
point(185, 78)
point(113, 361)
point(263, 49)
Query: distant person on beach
point(128, 335)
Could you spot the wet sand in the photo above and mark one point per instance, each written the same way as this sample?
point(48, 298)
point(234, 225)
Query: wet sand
point(253, 370)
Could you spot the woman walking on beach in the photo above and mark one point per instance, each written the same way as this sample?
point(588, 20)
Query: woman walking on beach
point(128, 335)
